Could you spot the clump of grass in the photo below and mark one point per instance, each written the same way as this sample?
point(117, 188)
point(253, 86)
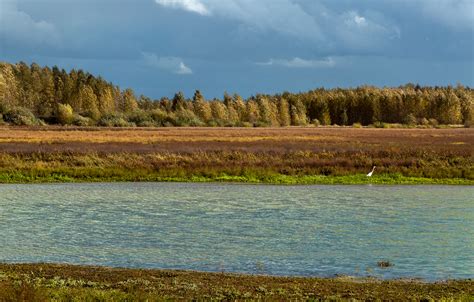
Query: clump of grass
point(21, 290)
point(384, 264)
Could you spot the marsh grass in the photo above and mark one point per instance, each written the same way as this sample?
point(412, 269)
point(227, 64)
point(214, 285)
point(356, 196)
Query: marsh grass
point(56, 282)
point(252, 178)
point(264, 155)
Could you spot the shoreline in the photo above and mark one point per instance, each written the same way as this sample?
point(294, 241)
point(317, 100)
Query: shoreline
point(50, 280)
point(272, 179)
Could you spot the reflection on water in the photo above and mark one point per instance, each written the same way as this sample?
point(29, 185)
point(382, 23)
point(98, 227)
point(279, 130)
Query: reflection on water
point(425, 231)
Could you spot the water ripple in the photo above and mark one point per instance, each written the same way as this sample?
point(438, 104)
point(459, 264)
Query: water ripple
point(426, 231)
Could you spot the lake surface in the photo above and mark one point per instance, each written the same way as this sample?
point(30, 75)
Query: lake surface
point(425, 231)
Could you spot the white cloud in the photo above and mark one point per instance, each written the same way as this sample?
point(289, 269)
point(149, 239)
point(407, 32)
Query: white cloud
point(19, 28)
point(356, 20)
point(171, 64)
point(183, 69)
point(308, 22)
point(194, 6)
point(301, 63)
point(368, 32)
point(282, 16)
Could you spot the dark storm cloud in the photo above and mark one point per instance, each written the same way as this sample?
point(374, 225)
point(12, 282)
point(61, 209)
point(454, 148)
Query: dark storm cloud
point(161, 46)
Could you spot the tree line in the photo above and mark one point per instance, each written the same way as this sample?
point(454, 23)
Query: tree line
point(35, 95)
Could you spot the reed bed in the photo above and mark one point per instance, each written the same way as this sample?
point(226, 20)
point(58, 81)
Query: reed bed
point(255, 155)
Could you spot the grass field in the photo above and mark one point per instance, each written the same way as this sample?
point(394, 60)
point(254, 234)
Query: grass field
point(45, 282)
point(260, 155)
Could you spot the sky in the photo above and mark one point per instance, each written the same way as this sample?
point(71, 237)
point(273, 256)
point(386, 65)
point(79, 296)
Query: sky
point(159, 47)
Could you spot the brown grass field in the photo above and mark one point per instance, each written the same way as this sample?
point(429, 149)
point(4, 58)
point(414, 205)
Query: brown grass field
point(45, 282)
point(149, 140)
point(186, 152)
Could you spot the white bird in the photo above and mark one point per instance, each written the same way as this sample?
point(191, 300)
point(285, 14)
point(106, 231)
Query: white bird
point(370, 173)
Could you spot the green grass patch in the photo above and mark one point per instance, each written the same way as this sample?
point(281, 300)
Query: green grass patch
point(256, 177)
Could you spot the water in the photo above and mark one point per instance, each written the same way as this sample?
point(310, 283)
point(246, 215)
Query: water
point(425, 231)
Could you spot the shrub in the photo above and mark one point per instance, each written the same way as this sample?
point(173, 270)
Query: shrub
point(93, 114)
point(423, 121)
point(147, 124)
point(245, 124)
point(393, 125)
point(186, 117)
point(218, 123)
point(258, 124)
point(141, 118)
point(229, 124)
point(21, 116)
point(357, 125)
point(213, 123)
point(165, 119)
point(326, 119)
point(114, 120)
point(64, 114)
point(468, 124)
point(410, 120)
point(316, 122)
point(3, 108)
point(433, 122)
point(380, 125)
point(80, 120)
point(159, 116)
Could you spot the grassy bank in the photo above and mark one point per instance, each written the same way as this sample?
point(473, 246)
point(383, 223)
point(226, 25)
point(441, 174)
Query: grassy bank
point(126, 176)
point(263, 155)
point(44, 282)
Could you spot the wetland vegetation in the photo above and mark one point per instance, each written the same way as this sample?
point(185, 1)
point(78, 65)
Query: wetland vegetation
point(44, 282)
point(258, 155)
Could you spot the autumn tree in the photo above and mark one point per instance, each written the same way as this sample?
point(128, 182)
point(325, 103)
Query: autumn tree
point(128, 102)
point(86, 103)
point(219, 112)
point(240, 107)
point(46, 105)
point(253, 112)
point(9, 86)
point(202, 109)
point(284, 117)
point(298, 113)
point(178, 102)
